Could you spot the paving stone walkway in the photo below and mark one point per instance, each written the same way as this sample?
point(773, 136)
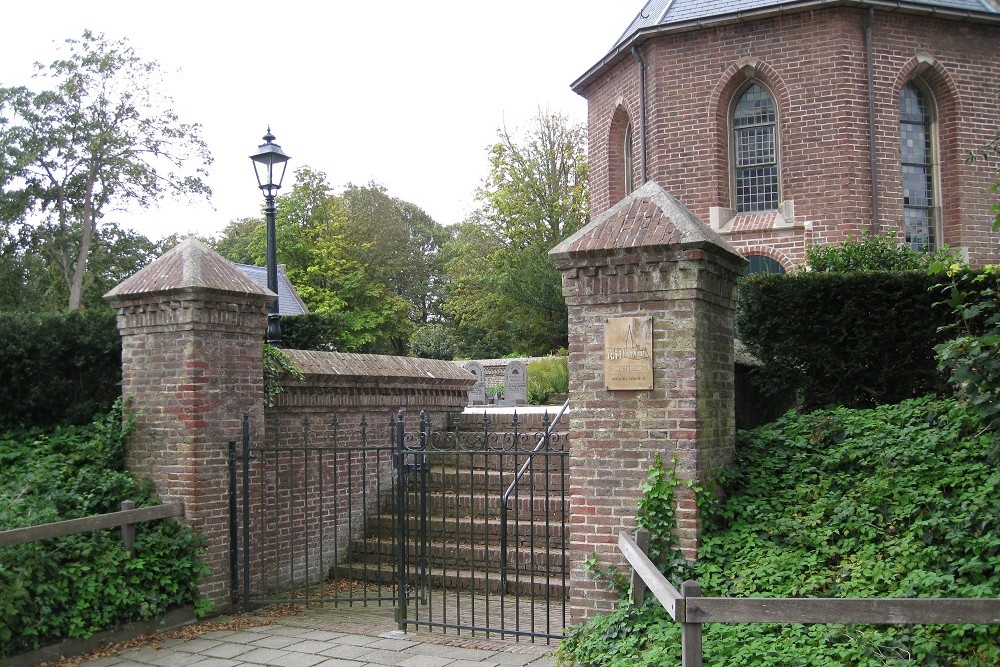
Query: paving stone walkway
point(334, 637)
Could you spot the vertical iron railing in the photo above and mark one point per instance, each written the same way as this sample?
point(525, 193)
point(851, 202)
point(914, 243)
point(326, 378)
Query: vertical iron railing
point(464, 481)
point(543, 445)
point(464, 531)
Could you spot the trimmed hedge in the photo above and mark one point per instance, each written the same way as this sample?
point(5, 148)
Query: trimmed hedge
point(58, 368)
point(851, 339)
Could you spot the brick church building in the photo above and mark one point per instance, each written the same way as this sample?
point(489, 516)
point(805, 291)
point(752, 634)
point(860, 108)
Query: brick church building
point(772, 120)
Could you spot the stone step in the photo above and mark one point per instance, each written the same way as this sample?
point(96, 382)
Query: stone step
point(489, 479)
point(518, 582)
point(525, 504)
point(538, 559)
point(519, 532)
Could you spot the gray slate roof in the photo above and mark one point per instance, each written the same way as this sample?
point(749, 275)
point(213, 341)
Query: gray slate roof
point(666, 12)
point(289, 301)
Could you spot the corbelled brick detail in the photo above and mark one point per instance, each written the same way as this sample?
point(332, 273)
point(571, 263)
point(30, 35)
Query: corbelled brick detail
point(686, 284)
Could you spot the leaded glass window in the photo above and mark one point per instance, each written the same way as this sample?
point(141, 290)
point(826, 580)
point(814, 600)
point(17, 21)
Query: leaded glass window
point(756, 151)
point(918, 178)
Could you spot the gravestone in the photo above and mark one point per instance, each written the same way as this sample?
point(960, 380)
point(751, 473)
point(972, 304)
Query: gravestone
point(477, 395)
point(515, 383)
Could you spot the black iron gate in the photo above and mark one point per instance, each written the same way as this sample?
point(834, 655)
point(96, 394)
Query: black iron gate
point(459, 529)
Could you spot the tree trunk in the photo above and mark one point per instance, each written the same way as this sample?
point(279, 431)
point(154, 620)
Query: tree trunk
point(89, 226)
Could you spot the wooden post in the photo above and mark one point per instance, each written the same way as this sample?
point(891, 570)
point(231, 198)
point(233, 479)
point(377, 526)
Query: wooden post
point(638, 585)
point(690, 632)
point(128, 529)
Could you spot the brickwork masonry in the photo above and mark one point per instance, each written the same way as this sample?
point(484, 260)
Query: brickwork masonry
point(686, 285)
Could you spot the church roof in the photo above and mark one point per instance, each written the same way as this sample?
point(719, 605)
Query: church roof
point(658, 16)
point(289, 301)
point(665, 12)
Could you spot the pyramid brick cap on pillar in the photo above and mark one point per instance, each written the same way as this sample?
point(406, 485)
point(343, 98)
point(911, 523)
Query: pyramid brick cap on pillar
point(648, 218)
point(189, 267)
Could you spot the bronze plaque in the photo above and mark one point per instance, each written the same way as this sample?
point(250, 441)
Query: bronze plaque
point(628, 353)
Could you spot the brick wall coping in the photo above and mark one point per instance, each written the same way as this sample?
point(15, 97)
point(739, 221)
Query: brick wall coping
point(374, 370)
point(552, 410)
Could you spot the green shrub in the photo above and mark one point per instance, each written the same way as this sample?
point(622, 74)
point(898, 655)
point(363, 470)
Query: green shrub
point(76, 585)
point(547, 377)
point(58, 368)
point(432, 341)
point(898, 501)
point(854, 339)
point(972, 360)
point(873, 252)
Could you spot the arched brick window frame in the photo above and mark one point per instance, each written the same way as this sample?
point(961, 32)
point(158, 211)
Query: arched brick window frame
point(786, 264)
point(938, 88)
point(733, 82)
point(621, 155)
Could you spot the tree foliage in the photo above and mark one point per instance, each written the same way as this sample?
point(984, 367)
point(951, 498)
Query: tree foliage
point(971, 359)
point(505, 296)
point(365, 261)
point(37, 265)
point(98, 135)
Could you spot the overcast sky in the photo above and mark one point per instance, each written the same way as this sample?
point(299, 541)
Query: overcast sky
point(408, 94)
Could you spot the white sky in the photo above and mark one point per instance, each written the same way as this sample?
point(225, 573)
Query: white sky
point(408, 94)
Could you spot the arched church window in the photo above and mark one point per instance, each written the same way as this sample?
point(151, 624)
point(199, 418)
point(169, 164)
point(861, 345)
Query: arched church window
point(755, 152)
point(916, 134)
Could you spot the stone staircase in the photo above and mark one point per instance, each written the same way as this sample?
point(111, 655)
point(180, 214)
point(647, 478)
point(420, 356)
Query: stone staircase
point(458, 544)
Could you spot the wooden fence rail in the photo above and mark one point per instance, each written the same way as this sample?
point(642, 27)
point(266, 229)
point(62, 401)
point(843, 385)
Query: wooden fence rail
point(691, 610)
point(127, 518)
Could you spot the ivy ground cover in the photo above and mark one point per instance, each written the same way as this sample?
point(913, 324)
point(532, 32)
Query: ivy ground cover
point(77, 585)
point(897, 501)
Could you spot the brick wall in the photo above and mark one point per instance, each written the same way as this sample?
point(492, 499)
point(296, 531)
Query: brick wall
point(191, 367)
point(645, 256)
point(814, 64)
point(314, 503)
point(192, 330)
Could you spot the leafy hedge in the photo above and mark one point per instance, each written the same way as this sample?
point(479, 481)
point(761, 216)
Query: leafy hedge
point(898, 501)
point(854, 339)
point(58, 368)
point(547, 377)
point(76, 585)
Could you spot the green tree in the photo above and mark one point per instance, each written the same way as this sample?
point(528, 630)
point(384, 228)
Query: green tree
point(361, 258)
point(99, 135)
point(505, 294)
point(37, 265)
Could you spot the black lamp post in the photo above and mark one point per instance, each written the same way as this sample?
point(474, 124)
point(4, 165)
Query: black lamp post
point(269, 162)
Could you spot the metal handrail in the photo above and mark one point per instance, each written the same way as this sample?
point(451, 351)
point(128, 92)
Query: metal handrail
point(510, 489)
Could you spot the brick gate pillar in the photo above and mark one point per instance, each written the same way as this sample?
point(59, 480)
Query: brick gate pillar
point(192, 330)
point(647, 262)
